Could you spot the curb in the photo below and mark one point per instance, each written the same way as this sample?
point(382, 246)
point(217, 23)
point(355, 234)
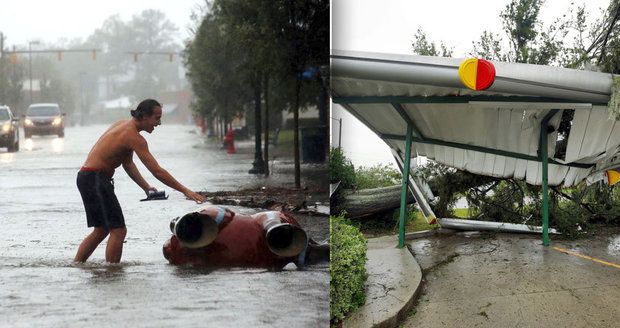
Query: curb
point(393, 285)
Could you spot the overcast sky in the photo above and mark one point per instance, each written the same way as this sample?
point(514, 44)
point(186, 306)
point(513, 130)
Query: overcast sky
point(389, 25)
point(22, 21)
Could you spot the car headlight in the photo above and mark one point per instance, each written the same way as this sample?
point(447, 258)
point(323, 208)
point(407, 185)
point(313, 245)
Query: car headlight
point(57, 121)
point(27, 122)
point(6, 127)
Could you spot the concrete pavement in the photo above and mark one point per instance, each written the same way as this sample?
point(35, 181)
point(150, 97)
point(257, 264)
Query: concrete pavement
point(476, 279)
point(393, 282)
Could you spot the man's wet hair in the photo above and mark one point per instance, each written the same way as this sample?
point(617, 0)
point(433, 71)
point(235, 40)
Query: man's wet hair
point(145, 108)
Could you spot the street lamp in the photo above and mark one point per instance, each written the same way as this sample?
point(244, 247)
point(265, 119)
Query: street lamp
point(30, 65)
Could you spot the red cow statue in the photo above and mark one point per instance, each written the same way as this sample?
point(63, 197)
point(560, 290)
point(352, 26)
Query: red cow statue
point(217, 237)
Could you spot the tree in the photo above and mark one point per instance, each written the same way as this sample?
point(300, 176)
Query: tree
point(271, 44)
point(11, 77)
point(307, 34)
point(528, 40)
point(422, 46)
point(11, 82)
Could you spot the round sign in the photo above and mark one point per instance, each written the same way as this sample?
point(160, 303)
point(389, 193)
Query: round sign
point(477, 74)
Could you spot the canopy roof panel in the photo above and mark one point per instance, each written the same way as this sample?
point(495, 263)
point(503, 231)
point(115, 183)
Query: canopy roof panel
point(492, 132)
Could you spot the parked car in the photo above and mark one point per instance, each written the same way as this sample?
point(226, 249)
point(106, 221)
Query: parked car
point(9, 132)
point(42, 119)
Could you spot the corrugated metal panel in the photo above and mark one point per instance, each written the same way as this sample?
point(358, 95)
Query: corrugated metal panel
point(597, 133)
point(510, 126)
point(384, 117)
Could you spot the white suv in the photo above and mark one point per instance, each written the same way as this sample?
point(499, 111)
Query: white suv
point(9, 132)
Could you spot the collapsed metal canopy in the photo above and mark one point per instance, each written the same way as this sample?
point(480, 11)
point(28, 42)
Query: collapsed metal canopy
point(492, 132)
point(510, 130)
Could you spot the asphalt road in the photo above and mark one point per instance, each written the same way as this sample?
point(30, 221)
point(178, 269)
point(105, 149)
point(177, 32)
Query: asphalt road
point(478, 279)
point(43, 222)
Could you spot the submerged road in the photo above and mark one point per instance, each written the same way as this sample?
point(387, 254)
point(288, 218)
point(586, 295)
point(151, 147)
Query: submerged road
point(43, 222)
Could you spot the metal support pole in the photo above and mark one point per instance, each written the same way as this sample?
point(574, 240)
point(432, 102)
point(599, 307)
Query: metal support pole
point(340, 133)
point(545, 173)
point(403, 192)
point(30, 68)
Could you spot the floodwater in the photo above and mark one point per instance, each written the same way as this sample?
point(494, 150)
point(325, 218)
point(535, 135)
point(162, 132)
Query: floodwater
point(43, 222)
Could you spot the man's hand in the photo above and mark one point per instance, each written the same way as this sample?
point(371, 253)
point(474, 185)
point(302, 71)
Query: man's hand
point(153, 189)
point(198, 198)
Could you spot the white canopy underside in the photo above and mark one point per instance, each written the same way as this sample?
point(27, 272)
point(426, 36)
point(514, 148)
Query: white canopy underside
point(512, 126)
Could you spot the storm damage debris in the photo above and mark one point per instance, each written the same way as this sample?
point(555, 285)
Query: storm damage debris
point(277, 199)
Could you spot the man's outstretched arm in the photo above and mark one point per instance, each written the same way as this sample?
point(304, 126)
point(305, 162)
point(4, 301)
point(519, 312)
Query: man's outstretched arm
point(142, 150)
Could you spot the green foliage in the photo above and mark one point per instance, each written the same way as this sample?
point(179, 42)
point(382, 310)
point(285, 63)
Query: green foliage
point(377, 176)
point(388, 222)
point(347, 268)
point(422, 46)
point(449, 185)
point(529, 41)
point(416, 222)
point(247, 51)
point(489, 47)
point(341, 169)
point(11, 77)
point(520, 19)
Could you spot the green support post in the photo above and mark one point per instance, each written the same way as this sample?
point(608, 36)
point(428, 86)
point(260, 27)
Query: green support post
point(403, 191)
point(545, 180)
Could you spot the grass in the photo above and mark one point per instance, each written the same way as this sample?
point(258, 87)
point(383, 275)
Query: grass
point(462, 213)
point(285, 137)
point(417, 222)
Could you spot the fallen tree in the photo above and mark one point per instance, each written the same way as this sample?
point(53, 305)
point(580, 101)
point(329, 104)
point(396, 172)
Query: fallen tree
point(367, 202)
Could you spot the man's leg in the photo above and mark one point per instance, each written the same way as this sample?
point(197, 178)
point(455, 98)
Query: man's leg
point(114, 250)
point(88, 245)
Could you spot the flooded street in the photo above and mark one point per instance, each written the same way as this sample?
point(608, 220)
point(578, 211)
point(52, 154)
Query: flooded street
point(43, 222)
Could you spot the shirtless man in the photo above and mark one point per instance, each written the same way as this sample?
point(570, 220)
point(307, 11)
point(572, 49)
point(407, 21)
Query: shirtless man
point(114, 148)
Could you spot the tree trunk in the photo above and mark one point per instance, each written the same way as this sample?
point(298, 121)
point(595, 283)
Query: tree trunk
point(296, 134)
point(258, 166)
point(266, 96)
point(370, 201)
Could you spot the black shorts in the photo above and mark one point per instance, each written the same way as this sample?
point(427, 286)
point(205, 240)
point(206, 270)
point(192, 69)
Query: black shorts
point(100, 202)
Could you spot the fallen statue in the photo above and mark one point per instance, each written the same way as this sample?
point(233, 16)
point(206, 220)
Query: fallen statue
point(218, 237)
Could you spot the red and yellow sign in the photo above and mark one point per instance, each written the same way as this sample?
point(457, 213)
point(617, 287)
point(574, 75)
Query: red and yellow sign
point(477, 74)
point(612, 177)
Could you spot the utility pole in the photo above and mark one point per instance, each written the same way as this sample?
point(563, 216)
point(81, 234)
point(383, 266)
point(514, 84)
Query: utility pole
point(1, 45)
point(30, 65)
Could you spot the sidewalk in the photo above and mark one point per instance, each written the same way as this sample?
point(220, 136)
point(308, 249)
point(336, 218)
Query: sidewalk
point(314, 176)
point(394, 279)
